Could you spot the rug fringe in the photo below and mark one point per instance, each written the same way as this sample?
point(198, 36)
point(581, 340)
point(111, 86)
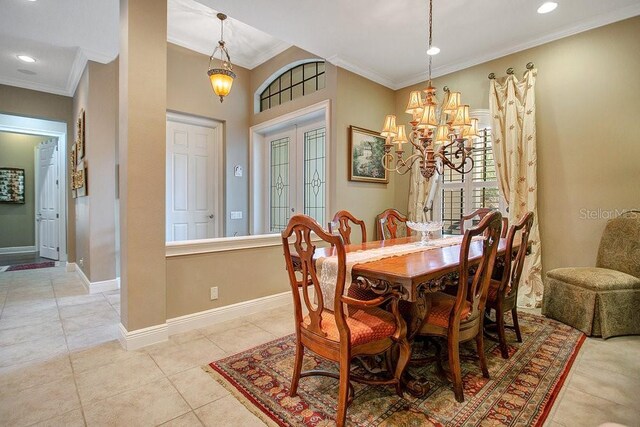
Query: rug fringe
point(247, 403)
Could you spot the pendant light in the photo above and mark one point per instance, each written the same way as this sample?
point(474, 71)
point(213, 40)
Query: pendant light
point(221, 78)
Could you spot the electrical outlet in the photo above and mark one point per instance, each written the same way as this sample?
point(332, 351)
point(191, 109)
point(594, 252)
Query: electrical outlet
point(214, 293)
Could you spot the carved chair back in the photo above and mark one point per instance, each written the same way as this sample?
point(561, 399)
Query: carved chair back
point(474, 291)
point(513, 266)
point(388, 222)
point(297, 236)
point(481, 213)
point(344, 220)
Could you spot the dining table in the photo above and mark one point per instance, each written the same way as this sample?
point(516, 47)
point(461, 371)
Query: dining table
point(412, 277)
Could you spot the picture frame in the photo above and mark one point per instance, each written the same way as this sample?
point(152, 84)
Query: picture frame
point(81, 179)
point(12, 185)
point(80, 142)
point(366, 150)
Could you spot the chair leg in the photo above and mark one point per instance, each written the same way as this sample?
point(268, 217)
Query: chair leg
point(481, 354)
point(343, 390)
point(454, 368)
point(297, 368)
point(516, 325)
point(501, 337)
point(404, 355)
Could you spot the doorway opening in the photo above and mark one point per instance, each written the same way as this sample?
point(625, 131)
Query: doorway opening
point(34, 225)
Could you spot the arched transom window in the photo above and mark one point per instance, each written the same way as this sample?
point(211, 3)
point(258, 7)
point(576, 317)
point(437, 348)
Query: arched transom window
point(294, 83)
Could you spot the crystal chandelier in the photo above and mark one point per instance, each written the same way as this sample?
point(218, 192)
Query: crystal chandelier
point(441, 133)
point(221, 78)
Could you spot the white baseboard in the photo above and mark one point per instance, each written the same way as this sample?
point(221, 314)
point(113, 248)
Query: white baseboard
point(228, 312)
point(142, 337)
point(96, 287)
point(17, 250)
point(71, 266)
point(154, 334)
point(104, 286)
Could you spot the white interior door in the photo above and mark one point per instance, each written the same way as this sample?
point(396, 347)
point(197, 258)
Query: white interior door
point(191, 182)
point(47, 200)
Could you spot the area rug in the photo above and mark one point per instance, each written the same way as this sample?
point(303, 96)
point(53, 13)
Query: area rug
point(33, 266)
point(521, 390)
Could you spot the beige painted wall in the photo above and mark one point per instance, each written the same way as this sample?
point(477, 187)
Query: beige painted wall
point(95, 213)
point(189, 92)
point(31, 103)
point(587, 109)
point(17, 221)
point(243, 275)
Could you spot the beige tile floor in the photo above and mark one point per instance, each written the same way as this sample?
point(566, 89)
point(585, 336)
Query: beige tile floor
point(61, 365)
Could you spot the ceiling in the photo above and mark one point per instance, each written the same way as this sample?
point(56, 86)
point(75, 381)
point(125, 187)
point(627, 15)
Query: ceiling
point(379, 39)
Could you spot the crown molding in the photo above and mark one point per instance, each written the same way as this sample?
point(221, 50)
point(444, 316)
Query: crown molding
point(580, 27)
point(40, 87)
point(75, 74)
point(366, 73)
point(268, 54)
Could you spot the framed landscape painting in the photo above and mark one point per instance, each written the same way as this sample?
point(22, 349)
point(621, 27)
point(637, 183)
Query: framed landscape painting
point(366, 149)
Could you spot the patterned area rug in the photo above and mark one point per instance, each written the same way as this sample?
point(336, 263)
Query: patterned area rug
point(520, 392)
point(33, 266)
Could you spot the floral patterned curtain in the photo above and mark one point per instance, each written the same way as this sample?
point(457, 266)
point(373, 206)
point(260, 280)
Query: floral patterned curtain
point(513, 120)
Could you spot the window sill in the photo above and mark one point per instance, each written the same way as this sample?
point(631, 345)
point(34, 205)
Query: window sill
point(223, 244)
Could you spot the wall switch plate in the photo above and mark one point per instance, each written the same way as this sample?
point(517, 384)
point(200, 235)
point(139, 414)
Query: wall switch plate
point(81, 262)
point(236, 214)
point(214, 293)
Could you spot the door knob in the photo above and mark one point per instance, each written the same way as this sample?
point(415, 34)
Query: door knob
point(211, 216)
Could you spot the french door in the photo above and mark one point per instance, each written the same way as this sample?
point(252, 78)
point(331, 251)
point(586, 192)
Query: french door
point(47, 199)
point(296, 174)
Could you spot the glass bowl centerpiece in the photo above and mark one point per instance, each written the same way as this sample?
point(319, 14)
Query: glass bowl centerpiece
point(425, 228)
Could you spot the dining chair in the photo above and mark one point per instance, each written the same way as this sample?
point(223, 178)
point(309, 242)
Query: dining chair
point(481, 213)
point(349, 328)
point(503, 291)
point(387, 223)
point(459, 318)
point(344, 219)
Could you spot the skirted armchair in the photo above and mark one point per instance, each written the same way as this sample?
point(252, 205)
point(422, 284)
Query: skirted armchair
point(602, 300)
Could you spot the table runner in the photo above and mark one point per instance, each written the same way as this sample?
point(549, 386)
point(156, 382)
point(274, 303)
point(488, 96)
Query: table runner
point(328, 266)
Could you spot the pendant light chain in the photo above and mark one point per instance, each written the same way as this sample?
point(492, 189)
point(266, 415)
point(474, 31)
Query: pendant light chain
point(430, 36)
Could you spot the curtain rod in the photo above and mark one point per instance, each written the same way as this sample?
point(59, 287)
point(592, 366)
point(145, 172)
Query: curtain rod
point(510, 70)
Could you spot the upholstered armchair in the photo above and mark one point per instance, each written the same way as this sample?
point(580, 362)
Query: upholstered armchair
point(603, 300)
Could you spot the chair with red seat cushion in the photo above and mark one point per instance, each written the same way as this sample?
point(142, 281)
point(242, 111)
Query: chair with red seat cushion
point(459, 318)
point(503, 293)
point(350, 328)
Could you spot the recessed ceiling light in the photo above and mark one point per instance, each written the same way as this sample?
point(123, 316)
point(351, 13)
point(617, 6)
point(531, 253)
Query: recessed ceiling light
point(26, 58)
point(433, 50)
point(547, 7)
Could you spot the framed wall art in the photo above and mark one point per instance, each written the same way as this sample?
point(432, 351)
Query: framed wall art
point(366, 149)
point(11, 185)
